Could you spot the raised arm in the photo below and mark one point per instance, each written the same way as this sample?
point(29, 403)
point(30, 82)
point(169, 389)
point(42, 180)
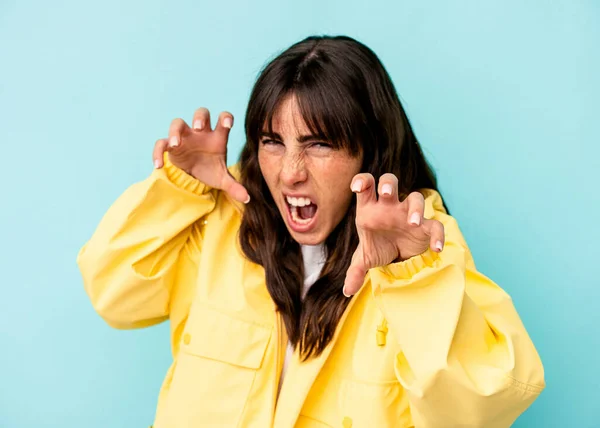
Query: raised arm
point(466, 358)
point(129, 264)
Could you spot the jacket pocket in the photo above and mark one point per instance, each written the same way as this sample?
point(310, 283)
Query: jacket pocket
point(219, 357)
point(374, 404)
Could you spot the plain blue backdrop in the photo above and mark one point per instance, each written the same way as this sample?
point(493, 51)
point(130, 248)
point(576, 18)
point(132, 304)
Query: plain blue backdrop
point(502, 95)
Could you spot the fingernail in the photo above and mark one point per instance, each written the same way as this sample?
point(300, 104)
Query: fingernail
point(415, 219)
point(386, 189)
point(156, 164)
point(357, 185)
point(247, 200)
point(197, 125)
point(344, 292)
point(438, 245)
point(173, 141)
point(227, 122)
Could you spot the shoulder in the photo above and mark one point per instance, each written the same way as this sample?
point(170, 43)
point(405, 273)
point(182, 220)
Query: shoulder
point(436, 210)
point(434, 204)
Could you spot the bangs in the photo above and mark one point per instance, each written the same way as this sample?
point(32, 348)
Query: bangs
point(329, 110)
point(332, 115)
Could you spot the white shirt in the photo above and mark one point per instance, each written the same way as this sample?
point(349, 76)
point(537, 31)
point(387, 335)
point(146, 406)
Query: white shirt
point(313, 257)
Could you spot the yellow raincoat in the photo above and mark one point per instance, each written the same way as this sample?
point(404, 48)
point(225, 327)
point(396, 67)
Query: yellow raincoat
point(428, 342)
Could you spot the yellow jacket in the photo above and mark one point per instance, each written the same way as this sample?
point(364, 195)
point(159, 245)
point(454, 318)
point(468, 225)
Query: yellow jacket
point(429, 342)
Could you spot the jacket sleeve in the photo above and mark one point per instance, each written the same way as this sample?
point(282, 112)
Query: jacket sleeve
point(465, 357)
point(128, 266)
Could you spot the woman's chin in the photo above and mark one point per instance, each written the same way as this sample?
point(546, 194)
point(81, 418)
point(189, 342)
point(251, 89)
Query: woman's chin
point(313, 237)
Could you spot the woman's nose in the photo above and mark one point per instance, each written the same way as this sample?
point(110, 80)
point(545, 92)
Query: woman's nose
point(293, 170)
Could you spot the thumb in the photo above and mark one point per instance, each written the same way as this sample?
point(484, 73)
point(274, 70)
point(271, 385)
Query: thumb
point(355, 275)
point(234, 189)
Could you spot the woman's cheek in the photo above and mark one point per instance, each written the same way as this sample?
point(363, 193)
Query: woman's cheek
point(266, 162)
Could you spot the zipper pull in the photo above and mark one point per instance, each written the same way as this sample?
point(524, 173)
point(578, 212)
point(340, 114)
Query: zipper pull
point(382, 333)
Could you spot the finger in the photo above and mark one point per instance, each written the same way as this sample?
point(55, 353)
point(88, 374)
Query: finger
point(177, 130)
point(388, 188)
point(224, 124)
point(364, 187)
point(201, 120)
point(355, 275)
point(416, 208)
point(436, 232)
point(158, 153)
point(235, 189)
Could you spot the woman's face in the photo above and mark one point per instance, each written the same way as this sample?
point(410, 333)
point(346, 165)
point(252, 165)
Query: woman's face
point(308, 179)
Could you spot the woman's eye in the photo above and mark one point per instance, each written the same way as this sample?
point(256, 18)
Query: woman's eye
point(322, 145)
point(270, 142)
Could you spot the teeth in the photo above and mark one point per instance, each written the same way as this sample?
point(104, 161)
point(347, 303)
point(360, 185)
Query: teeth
point(298, 202)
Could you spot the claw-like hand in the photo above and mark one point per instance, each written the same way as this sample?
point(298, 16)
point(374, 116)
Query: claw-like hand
point(201, 152)
point(388, 229)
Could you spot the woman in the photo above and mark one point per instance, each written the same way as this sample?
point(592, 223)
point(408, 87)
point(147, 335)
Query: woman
point(293, 302)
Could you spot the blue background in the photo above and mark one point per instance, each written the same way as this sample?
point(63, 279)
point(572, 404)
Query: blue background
point(502, 95)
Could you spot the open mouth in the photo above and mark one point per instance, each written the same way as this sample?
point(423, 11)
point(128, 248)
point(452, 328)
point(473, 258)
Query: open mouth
point(302, 212)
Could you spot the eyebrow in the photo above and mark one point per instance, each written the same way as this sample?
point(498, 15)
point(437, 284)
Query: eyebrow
point(301, 139)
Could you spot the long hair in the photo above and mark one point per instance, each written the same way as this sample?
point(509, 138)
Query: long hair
point(344, 94)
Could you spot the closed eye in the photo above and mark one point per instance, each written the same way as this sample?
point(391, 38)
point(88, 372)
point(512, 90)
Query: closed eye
point(268, 141)
point(321, 145)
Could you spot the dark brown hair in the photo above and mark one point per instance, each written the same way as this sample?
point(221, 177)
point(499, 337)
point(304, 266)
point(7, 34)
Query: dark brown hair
point(344, 94)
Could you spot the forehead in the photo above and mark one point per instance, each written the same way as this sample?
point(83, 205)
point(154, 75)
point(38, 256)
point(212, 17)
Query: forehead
point(288, 120)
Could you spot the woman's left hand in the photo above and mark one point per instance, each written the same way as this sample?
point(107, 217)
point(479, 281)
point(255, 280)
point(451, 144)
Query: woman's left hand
point(388, 230)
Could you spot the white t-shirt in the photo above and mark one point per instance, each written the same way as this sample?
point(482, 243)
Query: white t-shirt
point(313, 257)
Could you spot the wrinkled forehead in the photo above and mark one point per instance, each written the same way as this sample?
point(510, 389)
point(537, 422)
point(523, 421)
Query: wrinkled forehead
point(309, 112)
point(287, 120)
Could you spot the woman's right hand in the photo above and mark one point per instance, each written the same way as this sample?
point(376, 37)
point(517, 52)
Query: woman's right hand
point(201, 152)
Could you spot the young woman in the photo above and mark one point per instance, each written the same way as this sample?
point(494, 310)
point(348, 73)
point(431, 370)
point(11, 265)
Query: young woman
point(292, 301)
